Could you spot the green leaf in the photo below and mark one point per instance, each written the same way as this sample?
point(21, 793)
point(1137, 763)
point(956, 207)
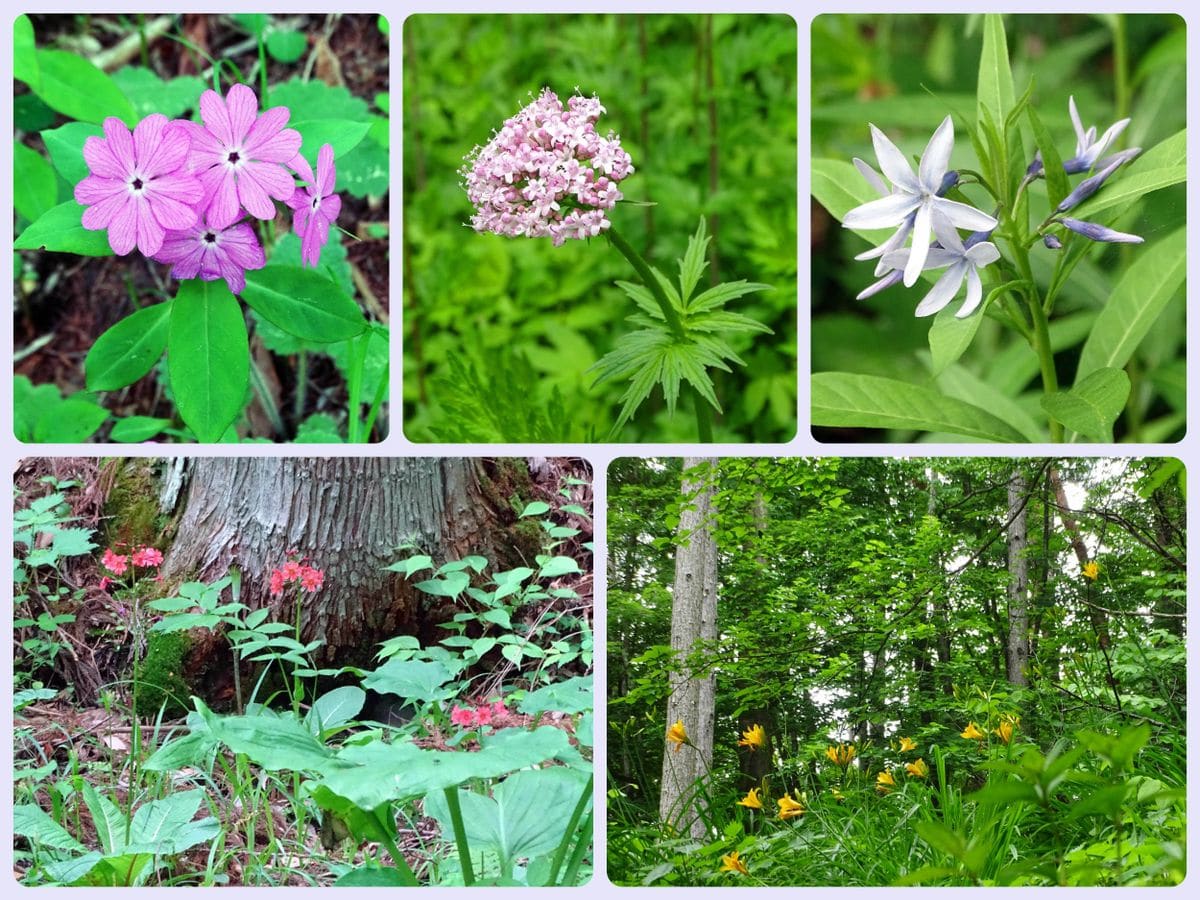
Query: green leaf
point(412, 680)
point(995, 88)
point(25, 62)
point(364, 171)
point(72, 421)
point(275, 743)
point(108, 820)
point(940, 837)
point(450, 585)
point(572, 696)
point(527, 814)
point(950, 336)
point(65, 146)
point(866, 401)
point(372, 876)
point(343, 134)
point(303, 302)
point(31, 821)
point(35, 189)
point(286, 46)
point(336, 708)
point(1057, 185)
point(150, 94)
point(412, 564)
point(958, 382)
point(1137, 301)
point(129, 349)
point(74, 87)
point(208, 355)
point(557, 566)
point(61, 229)
point(1092, 405)
point(1129, 189)
point(536, 508)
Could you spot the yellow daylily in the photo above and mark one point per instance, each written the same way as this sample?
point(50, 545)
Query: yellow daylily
point(907, 744)
point(917, 769)
point(677, 735)
point(837, 794)
point(1091, 570)
point(1007, 726)
point(885, 782)
point(789, 808)
point(732, 862)
point(751, 800)
point(841, 755)
point(972, 732)
point(753, 737)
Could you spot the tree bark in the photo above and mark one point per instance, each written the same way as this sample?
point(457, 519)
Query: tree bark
point(1017, 645)
point(346, 515)
point(693, 622)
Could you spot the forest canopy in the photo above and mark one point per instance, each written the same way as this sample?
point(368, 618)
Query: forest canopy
point(944, 671)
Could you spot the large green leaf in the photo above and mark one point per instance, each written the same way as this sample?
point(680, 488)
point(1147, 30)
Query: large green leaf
point(995, 88)
point(150, 94)
point(166, 826)
point(844, 399)
point(74, 87)
point(950, 336)
point(1092, 405)
point(273, 742)
point(342, 134)
point(61, 229)
point(378, 773)
point(129, 349)
point(303, 302)
point(527, 814)
point(1128, 189)
point(957, 381)
point(574, 695)
point(35, 189)
point(31, 821)
point(25, 64)
point(412, 680)
point(1136, 303)
point(65, 146)
point(208, 354)
point(335, 708)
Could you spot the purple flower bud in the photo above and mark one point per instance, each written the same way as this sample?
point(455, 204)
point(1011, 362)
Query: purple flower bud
point(1120, 158)
point(1052, 242)
point(1094, 232)
point(949, 180)
point(1087, 187)
point(1076, 164)
point(977, 237)
point(891, 278)
point(1035, 167)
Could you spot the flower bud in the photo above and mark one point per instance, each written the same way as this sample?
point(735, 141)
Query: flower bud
point(1094, 232)
point(1052, 242)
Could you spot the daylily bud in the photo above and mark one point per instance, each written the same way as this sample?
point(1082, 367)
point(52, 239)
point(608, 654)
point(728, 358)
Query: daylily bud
point(1094, 232)
point(1052, 242)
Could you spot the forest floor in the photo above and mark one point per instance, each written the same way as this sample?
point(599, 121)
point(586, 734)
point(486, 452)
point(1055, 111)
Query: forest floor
point(74, 731)
point(64, 302)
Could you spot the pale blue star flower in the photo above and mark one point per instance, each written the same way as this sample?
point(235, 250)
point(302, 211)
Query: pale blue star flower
point(961, 261)
point(916, 195)
point(1087, 148)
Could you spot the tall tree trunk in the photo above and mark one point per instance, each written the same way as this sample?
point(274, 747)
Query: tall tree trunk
point(1017, 645)
point(347, 515)
point(692, 700)
point(756, 765)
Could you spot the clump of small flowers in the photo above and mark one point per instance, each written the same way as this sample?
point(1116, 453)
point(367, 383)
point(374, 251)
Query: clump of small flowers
point(753, 738)
point(296, 571)
point(547, 172)
point(147, 558)
point(482, 714)
point(117, 563)
point(183, 193)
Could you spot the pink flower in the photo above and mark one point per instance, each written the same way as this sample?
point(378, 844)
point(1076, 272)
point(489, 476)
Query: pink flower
point(147, 557)
point(212, 253)
point(314, 207)
point(105, 581)
point(547, 173)
point(483, 715)
point(291, 570)
point(114, 562)
point(238, 155)
point(276, 583)
point(311, 579)
point(464, 718)
point(139, 187)
point(499, 709)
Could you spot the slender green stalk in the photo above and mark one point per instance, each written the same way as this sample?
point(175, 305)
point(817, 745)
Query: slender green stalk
point(1041, 338)
point(561, 853)
point(460, 835)
point(571, 876)
point(670, 314)
point(1121, 66)
point(301, 385)
point(402, 867)
point(376, 403)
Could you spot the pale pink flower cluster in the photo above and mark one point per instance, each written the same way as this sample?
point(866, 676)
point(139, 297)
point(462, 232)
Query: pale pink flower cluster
point(547, 173)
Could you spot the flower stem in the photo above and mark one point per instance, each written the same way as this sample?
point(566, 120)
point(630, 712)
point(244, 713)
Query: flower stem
point(1041, 343)
point(670, 313)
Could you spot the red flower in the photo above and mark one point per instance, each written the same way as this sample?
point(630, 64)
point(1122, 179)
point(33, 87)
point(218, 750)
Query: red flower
point(483, 715)
point(114, 562)
point(276, 583)
point(311, 578)
point(462, 717)
point(104, 583)
point(291, 571)
point(147, 557)
point(499, 709)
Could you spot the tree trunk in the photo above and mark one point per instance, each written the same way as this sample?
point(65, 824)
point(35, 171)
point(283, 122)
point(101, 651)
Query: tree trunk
point(756, 765)
point(347, 516)
point(692, 700)
point(1017, 646)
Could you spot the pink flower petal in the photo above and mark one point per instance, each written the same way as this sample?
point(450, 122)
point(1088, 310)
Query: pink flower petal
point(243, 107)
point(269, 124)
point(93, 189)
point(300, 166)
point(278, 148)
point(223, 202)
point(216, 116)
point(149, 233)
point(100, 159)
point(252, 196)
point(234, 275)
point(120, 143)
point(174, 148)
point(122, 229)
point(301, 217)
point(270, 177)
point(105, 210)
point(184, 188)
point(326, 173)
point(147, 142)
point(171, 214)
point(241, 245)
point(331, 206)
